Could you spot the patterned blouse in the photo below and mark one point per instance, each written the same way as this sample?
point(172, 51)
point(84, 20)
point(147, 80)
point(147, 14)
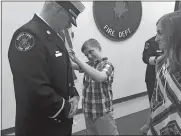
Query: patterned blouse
point(166, 103)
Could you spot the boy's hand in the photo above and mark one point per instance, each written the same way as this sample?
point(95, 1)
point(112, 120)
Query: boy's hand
point(72, 56)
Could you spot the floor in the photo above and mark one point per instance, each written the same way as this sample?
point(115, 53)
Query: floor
point(129, 115)
point(128, 125)
point(122, 111)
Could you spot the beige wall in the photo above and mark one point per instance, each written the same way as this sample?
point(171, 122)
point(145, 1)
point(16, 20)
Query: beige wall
point(126, 56)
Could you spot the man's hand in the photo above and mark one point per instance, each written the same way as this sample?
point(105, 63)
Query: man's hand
point(160, 58)
point(74, 106)
point(152, 60)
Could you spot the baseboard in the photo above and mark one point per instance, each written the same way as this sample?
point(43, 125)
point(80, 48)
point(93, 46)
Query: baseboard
point(116, 101)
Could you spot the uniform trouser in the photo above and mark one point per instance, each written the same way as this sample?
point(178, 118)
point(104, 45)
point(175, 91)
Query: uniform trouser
point(55, 130)
point(44, 134)
point(150, 88)
point(105, 125)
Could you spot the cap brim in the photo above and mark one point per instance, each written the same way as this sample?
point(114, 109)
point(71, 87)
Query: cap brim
point(79, 6)
point(73, 21)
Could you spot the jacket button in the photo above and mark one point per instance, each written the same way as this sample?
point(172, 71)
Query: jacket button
point(48, 32)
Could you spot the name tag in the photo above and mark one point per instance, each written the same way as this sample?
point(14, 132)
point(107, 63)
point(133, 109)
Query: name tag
point(58, 54)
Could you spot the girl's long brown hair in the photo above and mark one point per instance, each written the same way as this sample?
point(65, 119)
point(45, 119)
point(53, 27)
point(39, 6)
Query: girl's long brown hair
point(171, 25)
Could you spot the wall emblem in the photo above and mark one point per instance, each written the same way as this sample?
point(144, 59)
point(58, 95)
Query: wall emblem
point(117, 20)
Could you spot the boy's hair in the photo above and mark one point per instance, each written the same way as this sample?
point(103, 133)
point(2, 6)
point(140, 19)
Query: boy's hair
point(91, 43)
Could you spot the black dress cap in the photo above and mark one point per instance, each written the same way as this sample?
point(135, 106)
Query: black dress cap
point(74, 8)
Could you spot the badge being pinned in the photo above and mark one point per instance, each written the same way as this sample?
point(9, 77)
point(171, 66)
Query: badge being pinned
point(147, 45)
point(24, 41)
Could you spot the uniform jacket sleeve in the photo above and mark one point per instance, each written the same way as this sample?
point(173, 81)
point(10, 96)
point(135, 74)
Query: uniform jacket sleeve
point(147, 52)
point(32, 79)
point(74, 91)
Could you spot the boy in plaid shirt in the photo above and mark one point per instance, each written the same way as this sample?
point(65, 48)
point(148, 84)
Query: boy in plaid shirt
point(97, 91)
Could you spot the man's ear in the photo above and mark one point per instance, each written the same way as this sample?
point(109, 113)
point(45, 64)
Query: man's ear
point(64, 19)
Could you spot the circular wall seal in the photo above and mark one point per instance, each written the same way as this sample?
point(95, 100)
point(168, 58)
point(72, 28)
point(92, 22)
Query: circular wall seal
point(117, 20)
point(24, 41)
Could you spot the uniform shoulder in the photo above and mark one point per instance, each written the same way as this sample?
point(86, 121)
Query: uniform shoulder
point(151, 40)
point(24, 32)
point(23, 38)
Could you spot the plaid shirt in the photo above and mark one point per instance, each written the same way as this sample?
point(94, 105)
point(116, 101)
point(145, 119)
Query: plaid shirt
point(97, 96)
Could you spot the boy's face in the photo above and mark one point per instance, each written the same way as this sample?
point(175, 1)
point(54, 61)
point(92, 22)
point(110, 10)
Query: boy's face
point(92, 53)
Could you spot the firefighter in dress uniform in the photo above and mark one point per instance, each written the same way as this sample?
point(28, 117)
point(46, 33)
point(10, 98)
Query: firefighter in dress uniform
point(46, 97)
point(150, 54)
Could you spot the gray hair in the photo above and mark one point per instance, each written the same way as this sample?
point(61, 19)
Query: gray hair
point(52, 6)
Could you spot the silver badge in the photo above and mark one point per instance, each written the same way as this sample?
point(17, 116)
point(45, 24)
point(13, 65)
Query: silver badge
point(24, 41)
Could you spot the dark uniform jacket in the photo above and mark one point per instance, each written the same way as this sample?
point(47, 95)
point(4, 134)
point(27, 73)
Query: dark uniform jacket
point(151, 49)
point(43, 80)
